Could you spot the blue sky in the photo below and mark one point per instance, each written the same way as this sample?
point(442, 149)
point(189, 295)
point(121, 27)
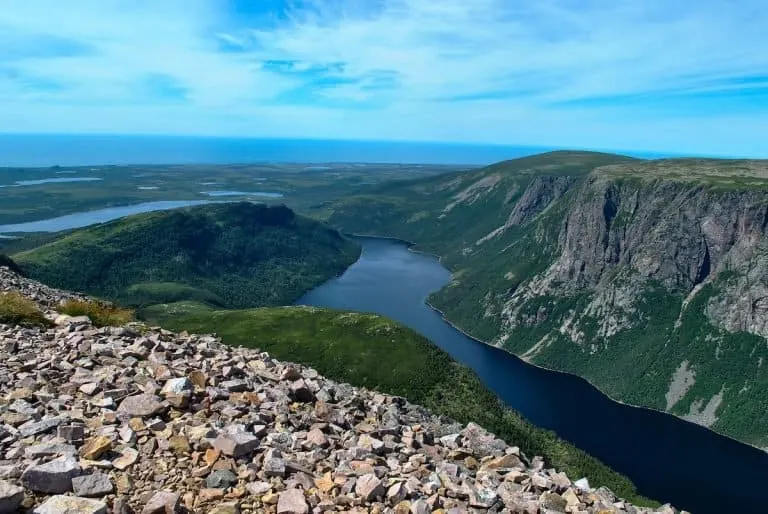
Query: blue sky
point(687, 76)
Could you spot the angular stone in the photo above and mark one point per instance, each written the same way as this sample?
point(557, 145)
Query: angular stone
point(54, 477)
point(198, 379)
point(396, 492)
point(95, 447)
point(226, 508)
point(127, 459)
point(177, 391)
point(292, 501)
point(140, 406)
point(316, 437)
point(31, 428)
point(48, 450)
point(508, 461)
point(179, 445)
point(274, 464)
point(369, 487)
point(582, 484)
point(162, 502)
point(97, 484)
point(258, 488)
point(71, 505)
point(325, 483)
point(235, 386)
point(221, 479)
point(71, 433)
point(236, 444)
point(571, 498)
point(11, 497)
point(553, 501)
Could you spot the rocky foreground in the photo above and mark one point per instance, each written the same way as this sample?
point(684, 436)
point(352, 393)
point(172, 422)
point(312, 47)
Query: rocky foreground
point(138, 419)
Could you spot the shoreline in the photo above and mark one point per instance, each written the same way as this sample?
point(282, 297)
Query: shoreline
point(410, 245)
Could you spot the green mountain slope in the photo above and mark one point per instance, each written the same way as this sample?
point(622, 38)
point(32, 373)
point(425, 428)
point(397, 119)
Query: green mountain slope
point(230, 255)
point(371, 351)
point(649, 278)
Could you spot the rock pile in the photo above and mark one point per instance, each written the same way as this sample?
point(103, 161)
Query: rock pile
point(137, 419)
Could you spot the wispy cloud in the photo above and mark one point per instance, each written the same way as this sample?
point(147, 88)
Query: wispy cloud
point(688, 76)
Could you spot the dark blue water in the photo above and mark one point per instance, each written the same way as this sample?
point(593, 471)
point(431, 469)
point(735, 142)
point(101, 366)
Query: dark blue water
point(92, 150)
point(83, 219)
point(668, 459)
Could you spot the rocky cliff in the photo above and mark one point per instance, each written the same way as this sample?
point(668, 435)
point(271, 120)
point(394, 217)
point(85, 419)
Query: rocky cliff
point(135, 419)
point(650, 278)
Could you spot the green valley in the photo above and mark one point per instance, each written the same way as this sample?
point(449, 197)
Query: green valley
point(649, 278)
point(231, 255)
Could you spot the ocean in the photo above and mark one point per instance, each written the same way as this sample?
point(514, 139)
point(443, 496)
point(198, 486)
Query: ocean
point(18, 150)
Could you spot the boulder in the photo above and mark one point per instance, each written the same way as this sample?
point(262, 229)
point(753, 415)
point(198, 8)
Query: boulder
point(97, 484)
point(11, 497)
point(292, 501)
point(54, 477)
point(140, 406)
point(71, 505)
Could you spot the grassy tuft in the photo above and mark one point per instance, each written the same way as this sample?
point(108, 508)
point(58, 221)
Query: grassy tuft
point(16, 309)
point(101, 314)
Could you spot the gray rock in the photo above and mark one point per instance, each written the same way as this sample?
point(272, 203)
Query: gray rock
point(177, 391)
point(71, 505)
point(140, 406)
point(54, 477)
point(97, 484)
point(258, 488)
point(235, 386)
point(274, 464)
point(236, 444)
point(11, 497)
point(71, 433)
point(31, 428)
point(49, 449)
point(162, 502)
point(221, 479)
point(292, 501)
point(369, 487)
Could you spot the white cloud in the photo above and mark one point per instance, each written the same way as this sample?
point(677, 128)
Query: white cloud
point(504, 71)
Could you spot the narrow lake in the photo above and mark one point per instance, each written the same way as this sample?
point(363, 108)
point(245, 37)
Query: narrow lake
point(668, 459)
point(84, 219)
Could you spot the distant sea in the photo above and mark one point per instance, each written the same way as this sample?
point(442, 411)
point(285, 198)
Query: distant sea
point(84, 150)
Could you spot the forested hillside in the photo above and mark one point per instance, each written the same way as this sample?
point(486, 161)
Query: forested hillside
point(230, 255)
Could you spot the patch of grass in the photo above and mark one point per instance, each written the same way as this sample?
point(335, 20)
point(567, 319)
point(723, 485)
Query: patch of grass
point(102, 314)
point(16, 309)
point(371, 351)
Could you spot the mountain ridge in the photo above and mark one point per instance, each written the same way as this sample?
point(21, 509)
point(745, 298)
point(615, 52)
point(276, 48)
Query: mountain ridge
point(607, 269)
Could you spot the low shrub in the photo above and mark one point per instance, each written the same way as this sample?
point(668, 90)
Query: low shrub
point(16, 309)
point(102, 314)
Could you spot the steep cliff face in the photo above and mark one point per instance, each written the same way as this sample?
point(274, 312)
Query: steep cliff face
point(657, 291)
point(649, 278)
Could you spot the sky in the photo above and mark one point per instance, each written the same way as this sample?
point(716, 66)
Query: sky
point(689, 76)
